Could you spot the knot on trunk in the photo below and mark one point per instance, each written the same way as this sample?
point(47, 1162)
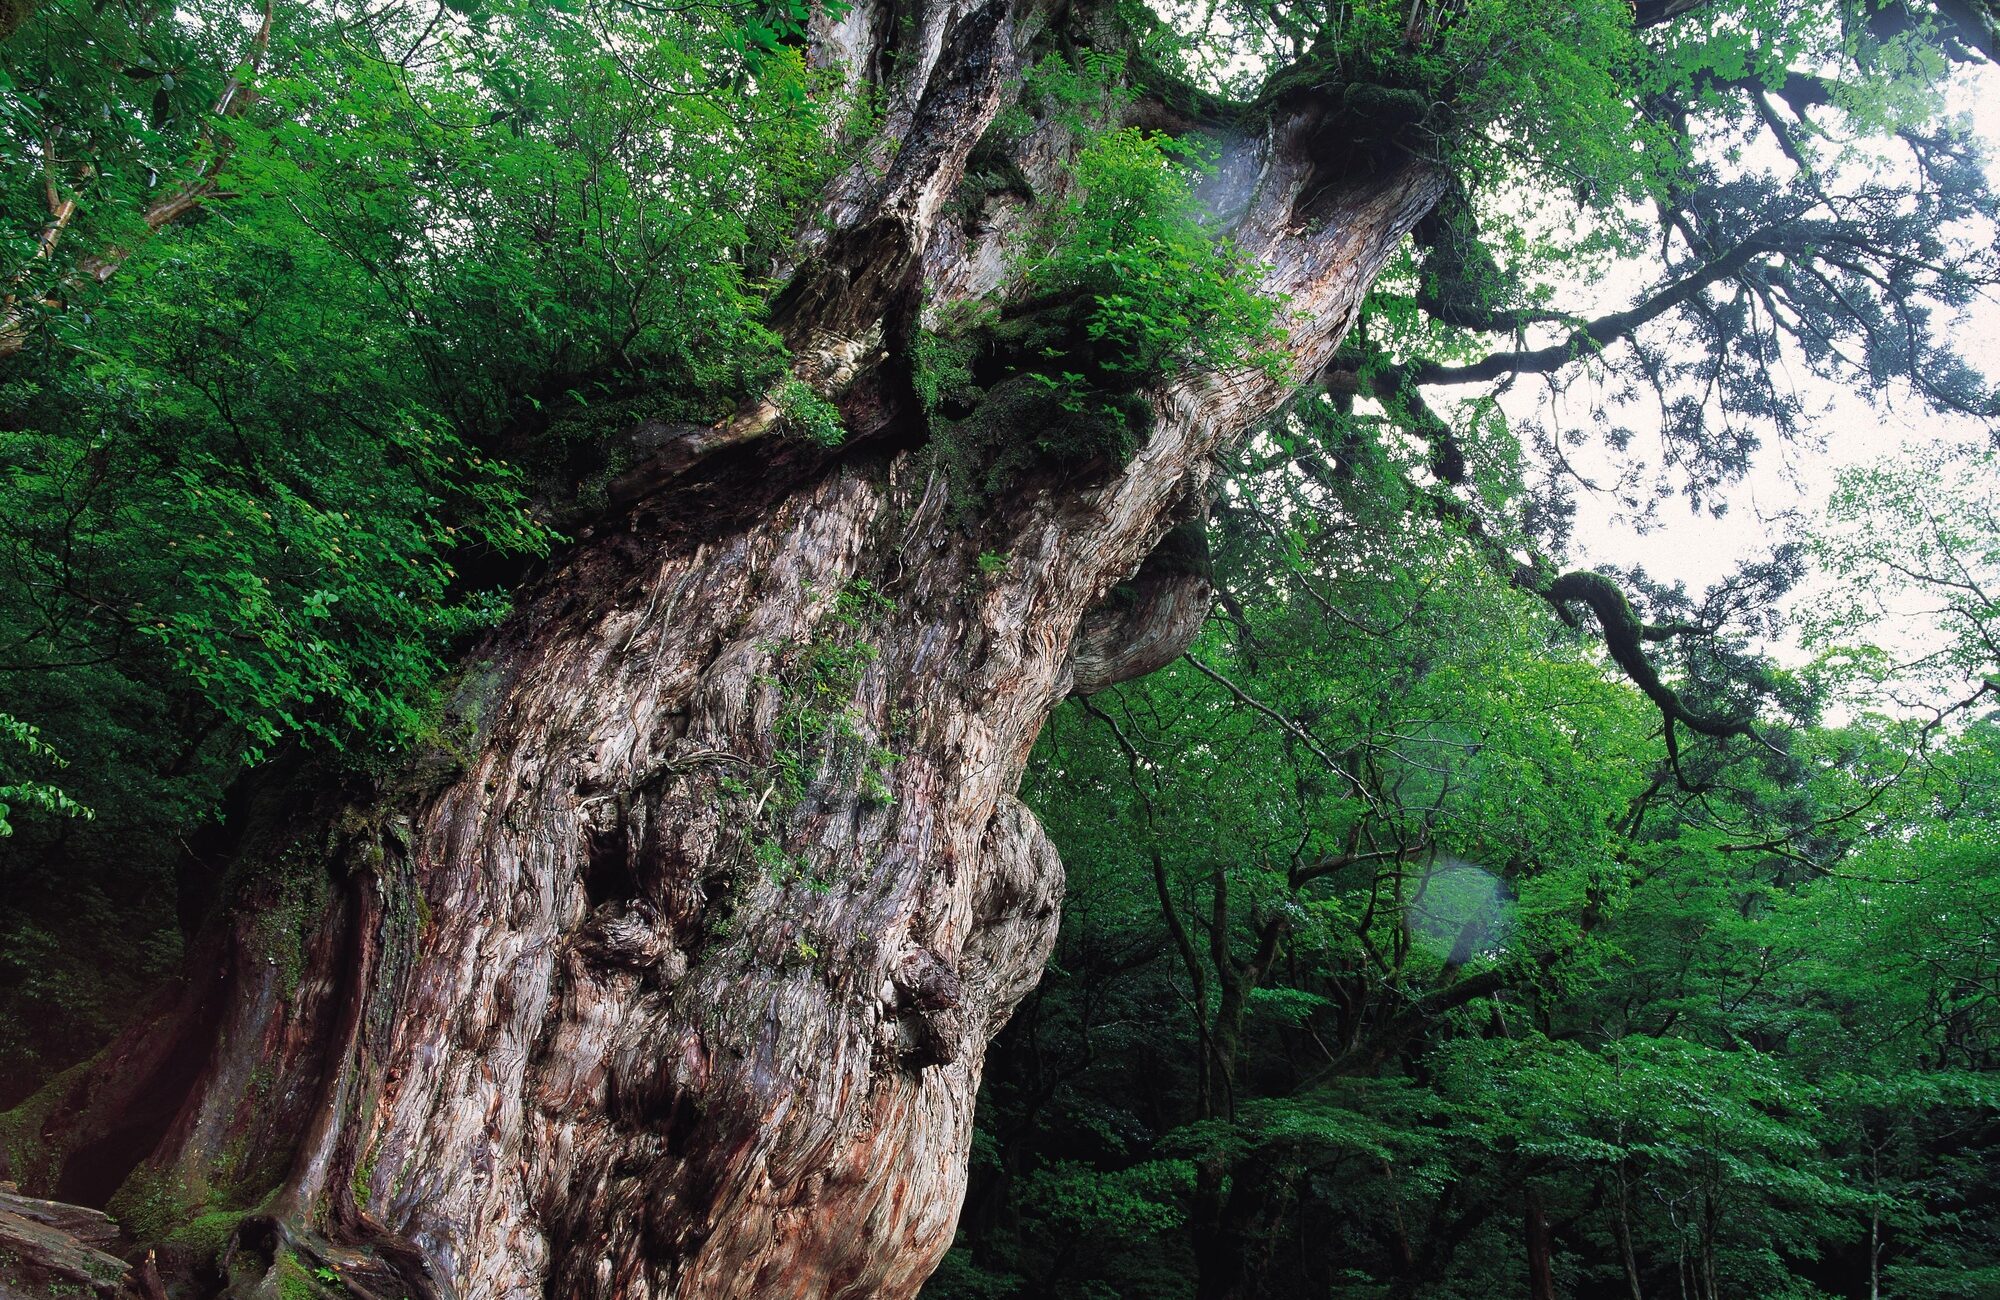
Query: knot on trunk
point(1148, 620)
point(1015, 916)
point(930, 1007)
point(633, 935)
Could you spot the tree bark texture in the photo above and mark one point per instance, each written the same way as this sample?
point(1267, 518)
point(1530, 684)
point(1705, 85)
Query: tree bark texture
point(600, 1010)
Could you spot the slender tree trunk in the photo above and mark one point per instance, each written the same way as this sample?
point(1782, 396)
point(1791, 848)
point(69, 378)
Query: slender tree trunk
point(1535, 1227)
point(1401, 1252)
point(1238, 1208)
point(1623, 1221)
point(1875, 1225)
point(611, 1006)
point(1710, 1289)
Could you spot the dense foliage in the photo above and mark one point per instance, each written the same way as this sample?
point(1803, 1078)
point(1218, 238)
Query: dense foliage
point(1395, 960)
point(300, 377)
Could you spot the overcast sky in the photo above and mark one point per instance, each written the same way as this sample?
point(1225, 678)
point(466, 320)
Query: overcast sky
point(1784, 480)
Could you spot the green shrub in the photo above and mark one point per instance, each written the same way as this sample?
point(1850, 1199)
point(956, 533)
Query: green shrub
point(1129, 289)
point(805, 414)
point(1159, 293)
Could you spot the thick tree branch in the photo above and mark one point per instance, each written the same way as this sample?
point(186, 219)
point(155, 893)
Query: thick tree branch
point(1624, 635)
point(1598, 334)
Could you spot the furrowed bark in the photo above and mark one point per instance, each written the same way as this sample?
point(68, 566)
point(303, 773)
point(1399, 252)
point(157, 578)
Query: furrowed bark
point(678, 981)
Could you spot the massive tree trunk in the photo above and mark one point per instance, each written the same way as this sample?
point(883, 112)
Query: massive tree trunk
point(678, 979)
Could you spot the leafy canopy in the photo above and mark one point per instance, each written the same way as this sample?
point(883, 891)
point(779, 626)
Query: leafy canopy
point(314, 338)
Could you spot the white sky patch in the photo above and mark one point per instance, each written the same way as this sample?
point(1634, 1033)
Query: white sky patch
point(1785, 484)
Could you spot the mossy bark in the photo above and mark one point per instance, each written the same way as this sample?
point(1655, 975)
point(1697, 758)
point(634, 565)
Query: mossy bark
point(558, 1025)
